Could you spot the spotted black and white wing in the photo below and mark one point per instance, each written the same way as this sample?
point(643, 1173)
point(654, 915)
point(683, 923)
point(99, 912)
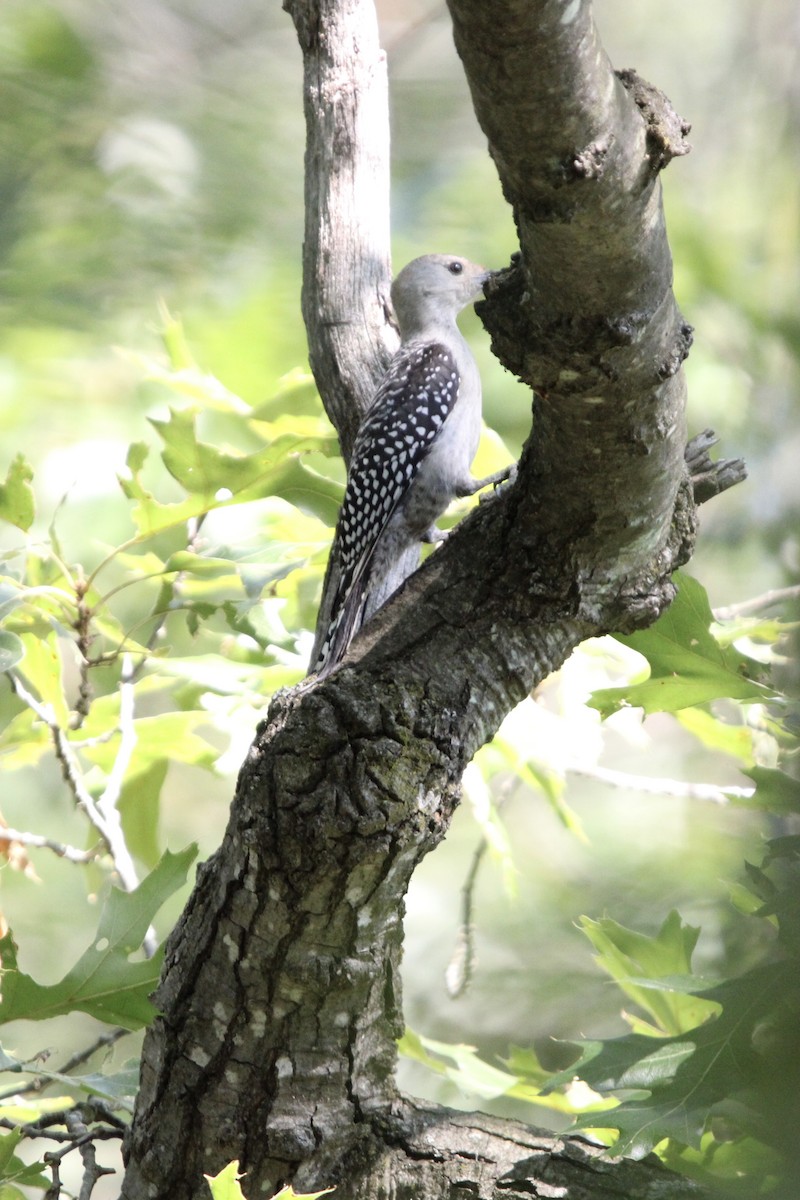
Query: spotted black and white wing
point(415, 398)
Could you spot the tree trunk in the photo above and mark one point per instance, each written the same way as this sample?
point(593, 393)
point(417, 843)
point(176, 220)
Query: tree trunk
point(280, 997)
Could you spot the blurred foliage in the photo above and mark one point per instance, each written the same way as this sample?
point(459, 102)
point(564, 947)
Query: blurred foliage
point(143, 657)
point(151, 162)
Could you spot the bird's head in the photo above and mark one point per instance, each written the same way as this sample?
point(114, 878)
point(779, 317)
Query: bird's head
point(431, 290)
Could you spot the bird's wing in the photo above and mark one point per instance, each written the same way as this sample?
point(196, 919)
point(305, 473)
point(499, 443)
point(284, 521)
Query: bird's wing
point(410, 407)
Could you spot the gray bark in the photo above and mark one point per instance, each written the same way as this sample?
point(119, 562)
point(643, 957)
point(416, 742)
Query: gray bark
point(346, 251)
point(280, 997)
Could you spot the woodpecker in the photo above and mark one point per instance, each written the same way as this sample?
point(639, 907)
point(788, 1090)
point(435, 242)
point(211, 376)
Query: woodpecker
point(413, 451)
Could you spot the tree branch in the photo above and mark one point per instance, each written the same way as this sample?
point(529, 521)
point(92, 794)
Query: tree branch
point(280, 998)
point(346, 252)
point(70, 853)
point(346, 256)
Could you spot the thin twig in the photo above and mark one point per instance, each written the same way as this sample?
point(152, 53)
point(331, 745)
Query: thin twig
point(99, 740)
point(716, 793)
point(774, 596)
point(71, 853)
point(40, 1082)
point(77, 1137)
point(82, 1056)
point(62, 1136)
point(70, 767)
point(53, 1161)
point(84, 1142)
point(193, 527)
point(459, 970)
point(83, 630)
point(105, 819)
point(107, 804)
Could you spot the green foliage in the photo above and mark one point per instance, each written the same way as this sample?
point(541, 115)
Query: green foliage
point(709, 1075)
point(14, 1173)
point(688, 665)
point(104, 982)
point(16, 495)
point(118, 661)
point(134, 661)
point(225, 1186)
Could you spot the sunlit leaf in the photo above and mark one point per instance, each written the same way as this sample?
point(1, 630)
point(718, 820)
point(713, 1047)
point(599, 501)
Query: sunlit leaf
point(743, 1168)
point(202, 468)
point(630, 957)
point(24, 1109)
point(296, 394)
point(216, 479)
point(41, 669)
point(169, 737)
point(226, 1186)
point(768, 630)
point(459, 1063)
point(288, 1193)
point(24, 741)
point(687, 665)
point(16, 495)
point(710, 731)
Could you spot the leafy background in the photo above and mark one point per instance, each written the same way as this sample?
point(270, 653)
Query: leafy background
point(150, 166)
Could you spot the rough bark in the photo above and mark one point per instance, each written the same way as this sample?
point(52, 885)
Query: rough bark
point(280, 997)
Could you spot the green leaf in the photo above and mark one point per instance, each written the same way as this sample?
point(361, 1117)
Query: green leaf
point(744, 1168)
point(170, 737)
point(775, 790)
point(41, 668)
point(296, 393)
point(473, 1076)
point(139, 806)
point(173, 336)
point(104, 982)
point(459, 1063)
point(288, 1193)
point(678, 1081)
point(118, 1089)
point(11, 650)
point(225, 1186)
point(687, 665)
point(215, 479)
point(24, 741)
point(710, 731)
point(203, 469)
point(634, 959)
point(739, 1065)
point(16, 495)
point(14, 1171)
point(138, 453)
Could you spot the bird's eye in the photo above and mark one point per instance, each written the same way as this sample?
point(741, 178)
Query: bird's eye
point(455, 268)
